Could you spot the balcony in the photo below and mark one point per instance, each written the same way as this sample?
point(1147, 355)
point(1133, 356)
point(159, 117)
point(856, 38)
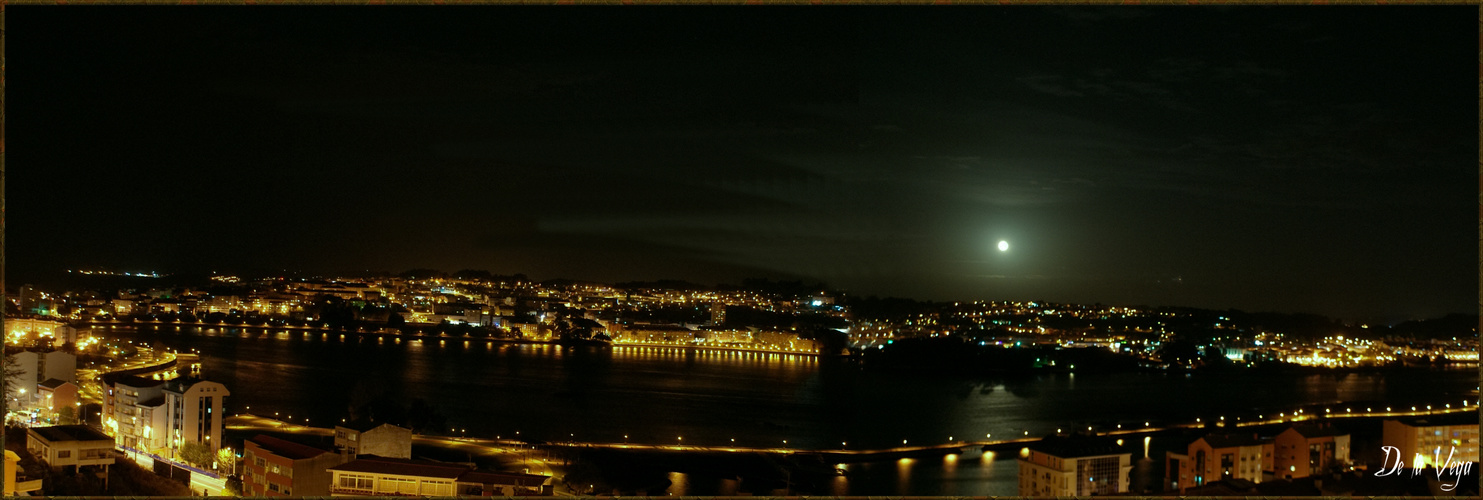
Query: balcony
point(23, 485)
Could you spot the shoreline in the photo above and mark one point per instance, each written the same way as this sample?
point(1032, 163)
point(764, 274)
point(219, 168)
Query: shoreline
point(245, 421)
point(444, 336)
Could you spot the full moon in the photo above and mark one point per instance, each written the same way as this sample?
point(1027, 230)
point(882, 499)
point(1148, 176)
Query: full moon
point(1003, 245)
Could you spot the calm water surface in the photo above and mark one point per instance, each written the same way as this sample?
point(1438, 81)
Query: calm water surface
point(655, 395)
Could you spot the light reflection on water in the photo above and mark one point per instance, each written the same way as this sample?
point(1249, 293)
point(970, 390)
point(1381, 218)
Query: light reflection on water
point(934, 476)
point(712, 395)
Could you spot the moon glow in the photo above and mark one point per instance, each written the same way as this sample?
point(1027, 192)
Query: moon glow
point(1003, 245)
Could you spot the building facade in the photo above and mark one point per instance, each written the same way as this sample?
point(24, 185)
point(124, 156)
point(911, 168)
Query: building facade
point(54, 395)
point(195, 411)
point(1074, 466)
point(70, 445)
point(161, 415)
point(1218, 457)
point(373, 438)
point(133, 413)
point(403, 477)
point(1304, 450)
point(275, 467)
point(1420, 442)
point(58, 365)
point(59, 332)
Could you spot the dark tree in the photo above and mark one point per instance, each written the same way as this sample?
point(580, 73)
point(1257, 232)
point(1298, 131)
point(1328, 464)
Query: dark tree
point(423, 274)
point(473, 274)
point(196, 454)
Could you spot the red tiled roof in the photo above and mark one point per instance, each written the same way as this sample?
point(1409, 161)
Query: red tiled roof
point(402, 467)
point(286, 449)
point(1218, 441)
point(58, 433)
point(54, 383)
point(1314, 431)
point(363, 425)
point(482, 477)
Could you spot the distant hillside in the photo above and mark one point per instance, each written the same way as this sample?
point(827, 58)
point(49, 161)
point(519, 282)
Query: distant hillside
point(1446, 327)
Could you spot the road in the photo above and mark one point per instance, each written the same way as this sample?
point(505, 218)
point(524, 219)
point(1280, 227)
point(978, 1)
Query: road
point(199, 483)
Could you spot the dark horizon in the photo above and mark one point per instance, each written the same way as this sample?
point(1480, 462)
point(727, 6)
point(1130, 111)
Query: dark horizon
point(1295, 159)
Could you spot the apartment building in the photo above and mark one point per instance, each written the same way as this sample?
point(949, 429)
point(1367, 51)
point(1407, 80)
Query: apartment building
point(195, 411)
point(70, 446)
point(1432, 440)
point(275, 467)
point(1304, 450)
point(1218, 457)
point(161, 415)
point(366, 437)
point(56, 394)
point(36, 367)
point(1074, 466)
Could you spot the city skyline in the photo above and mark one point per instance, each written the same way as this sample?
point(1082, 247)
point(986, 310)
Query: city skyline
point(1008, 374)
point(880, 153)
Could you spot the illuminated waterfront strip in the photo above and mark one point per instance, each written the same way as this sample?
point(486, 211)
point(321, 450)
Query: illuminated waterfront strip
point(254, 422)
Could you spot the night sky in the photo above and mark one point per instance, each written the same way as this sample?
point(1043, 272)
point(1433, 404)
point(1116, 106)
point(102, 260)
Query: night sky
point(1267, 159)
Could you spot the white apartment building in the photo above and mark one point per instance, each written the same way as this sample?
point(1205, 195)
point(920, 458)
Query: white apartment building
point(1074, 466)
point(161, 415)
